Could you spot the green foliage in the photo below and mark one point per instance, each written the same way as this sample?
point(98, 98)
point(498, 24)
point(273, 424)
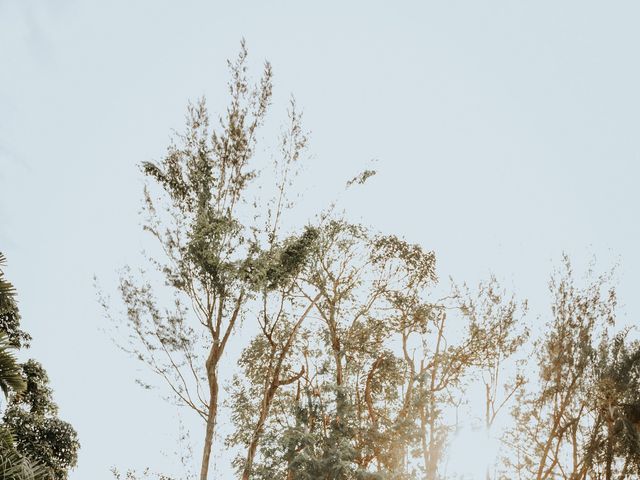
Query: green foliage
point(557, 428)
point(204, 175)
point(37, 396)
point(9, 314)
point(320, 445)
point(613, 449)
point(345, 415)
point(38, 433)
point(34, 442)
point(218, 258)
point(13, 465)
point(10, 374)
point(356, 369)
point(277, 267)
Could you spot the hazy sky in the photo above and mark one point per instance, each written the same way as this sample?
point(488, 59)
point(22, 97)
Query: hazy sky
point(505, 132)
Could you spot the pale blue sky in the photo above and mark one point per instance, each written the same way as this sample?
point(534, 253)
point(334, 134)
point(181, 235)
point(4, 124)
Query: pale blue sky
point(505, 133)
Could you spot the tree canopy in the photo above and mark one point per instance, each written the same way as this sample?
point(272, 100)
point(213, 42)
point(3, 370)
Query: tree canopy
point(34, 443)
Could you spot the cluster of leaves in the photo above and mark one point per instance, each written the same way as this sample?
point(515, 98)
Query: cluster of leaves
point(9, 313)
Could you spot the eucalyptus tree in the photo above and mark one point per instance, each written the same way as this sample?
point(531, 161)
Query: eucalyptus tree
point(496, 321)
point(448, 351)
point(221, 252)
point(377, 363)
point(276, 276)
point(343, 415)
point(433, 351)
point(554, 422)
point(308, 352)
point(612, 449)
point(360, 277)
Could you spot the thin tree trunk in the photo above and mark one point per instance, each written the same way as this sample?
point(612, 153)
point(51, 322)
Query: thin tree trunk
point(423, 439)
point(253, 445)
point(609, 465)
point(217, 349)
point(487, 420)
point(432, 467)
point(271, 390)
point(211, 421)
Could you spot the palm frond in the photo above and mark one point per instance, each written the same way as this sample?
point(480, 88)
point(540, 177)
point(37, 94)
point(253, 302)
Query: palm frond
point(7, 290)
point(13, 466)
point(10, 371)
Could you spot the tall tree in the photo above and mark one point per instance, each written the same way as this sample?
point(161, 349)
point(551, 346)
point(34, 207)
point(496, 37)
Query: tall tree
point(439, 373)
point(612, 449)
point(555, 421)
point(221, 252)
point(360, 277)
point(344, 415)
point(496, 320)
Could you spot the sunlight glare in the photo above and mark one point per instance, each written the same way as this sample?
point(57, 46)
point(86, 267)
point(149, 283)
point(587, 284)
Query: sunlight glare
point(471, 453)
